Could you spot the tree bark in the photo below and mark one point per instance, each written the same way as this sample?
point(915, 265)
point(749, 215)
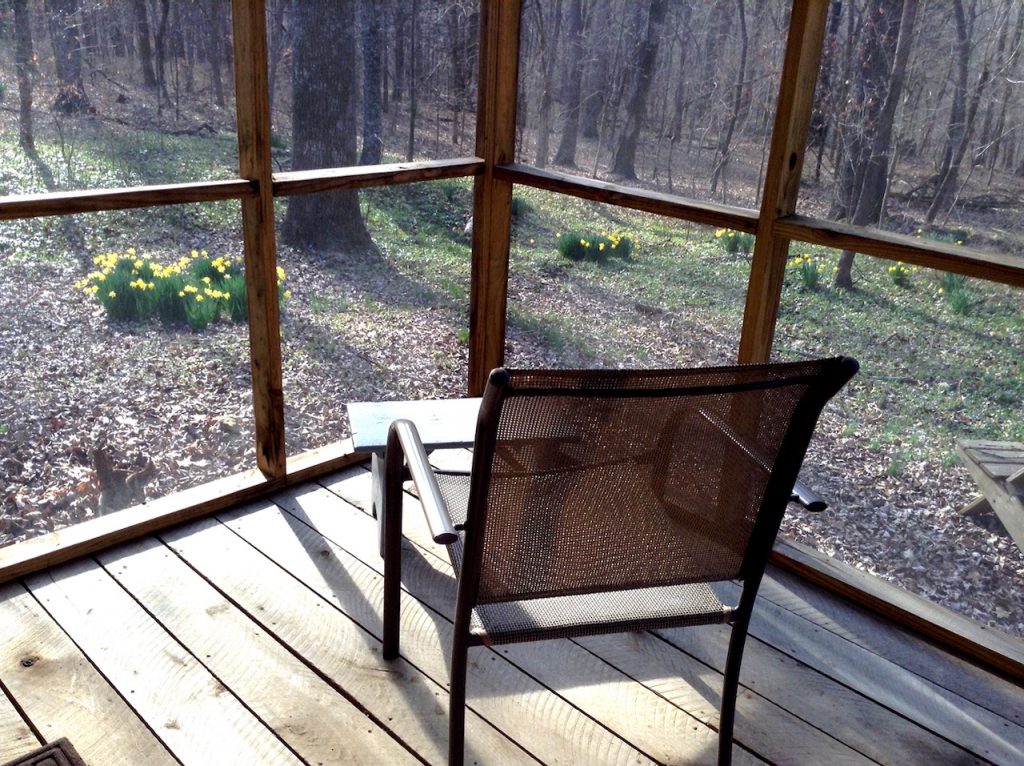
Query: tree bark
point(961, 117)
point(143, 43)
point(67, 51)
point(624, 165)
point(370, 40)
point(548, 52)
point(572, 80)
point(875, 177)
point(725, 137)
point(24, 66)
point(324, 127)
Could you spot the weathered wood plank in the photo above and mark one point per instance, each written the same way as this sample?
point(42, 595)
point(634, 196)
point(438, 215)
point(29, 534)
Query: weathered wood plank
point(320, 630)
point(189, 709)
point(782, 176)
point(948, 715)
point(989, 647)
point(664, 732)
point(96, 200)
point(994, 267)
point(659, 203)
point(497, 85)
point(61, 692)
point(252, 111)
point(317, 722)
point(543, 722)
point(976, 507)
point(364, 177)
point(772, 726)
point(882, 637)
point(16, 738)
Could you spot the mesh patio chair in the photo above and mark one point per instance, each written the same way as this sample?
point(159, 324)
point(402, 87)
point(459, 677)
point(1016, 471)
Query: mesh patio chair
point(605, 500)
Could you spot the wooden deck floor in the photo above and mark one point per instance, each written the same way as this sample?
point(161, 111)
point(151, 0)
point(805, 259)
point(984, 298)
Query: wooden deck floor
point(254, 637)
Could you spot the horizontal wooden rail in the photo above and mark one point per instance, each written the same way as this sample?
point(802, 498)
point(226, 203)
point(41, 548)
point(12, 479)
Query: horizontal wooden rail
point(98, 200)
point(366, 176)
point(994, 267)
point(84, 538)
point(998, 651)
point(659, 203)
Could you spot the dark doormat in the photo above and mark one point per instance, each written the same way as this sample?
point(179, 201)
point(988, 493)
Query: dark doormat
point(57, 753)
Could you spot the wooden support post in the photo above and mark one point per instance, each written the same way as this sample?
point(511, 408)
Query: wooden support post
point(782, 177)
point(253, 114)
point(492, 197)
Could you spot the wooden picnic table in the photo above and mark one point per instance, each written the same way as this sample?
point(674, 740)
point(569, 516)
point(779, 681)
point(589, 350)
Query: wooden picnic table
point(998, 470)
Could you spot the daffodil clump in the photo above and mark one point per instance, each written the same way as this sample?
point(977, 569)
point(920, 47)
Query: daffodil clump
point(196, 289)
point(809, 269)
point(580, 246)
point(735, 241)
point(900, 273)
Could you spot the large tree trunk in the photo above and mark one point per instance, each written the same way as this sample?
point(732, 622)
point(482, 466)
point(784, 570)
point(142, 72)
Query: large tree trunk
point(868, 205)
point(862, 111)
point(961, 118)
point(143, 43)
point(370, 40)
point(67, 52)
point(725, 137)
point(549, 54)
point(23, 64)
point(624, 165)
point(572, 77)
point(324, 127)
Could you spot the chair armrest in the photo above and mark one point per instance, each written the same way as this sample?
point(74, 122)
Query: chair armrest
point(439, 520)
point(808, 498)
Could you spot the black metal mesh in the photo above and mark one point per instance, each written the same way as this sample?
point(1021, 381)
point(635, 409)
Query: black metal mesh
point(612, 480)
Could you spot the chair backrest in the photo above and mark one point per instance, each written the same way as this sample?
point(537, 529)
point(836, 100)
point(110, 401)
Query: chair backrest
point(596, 480)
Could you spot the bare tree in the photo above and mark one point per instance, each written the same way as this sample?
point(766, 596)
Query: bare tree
point(23, 63)
point(624, 164)
point(324, 127)
point(64, 21)
point(572, 76)
point(875, 173)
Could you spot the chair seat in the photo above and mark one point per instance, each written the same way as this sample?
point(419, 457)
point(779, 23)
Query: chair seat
point(595, 613)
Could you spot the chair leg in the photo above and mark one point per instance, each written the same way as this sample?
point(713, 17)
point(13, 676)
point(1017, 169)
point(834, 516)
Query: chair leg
point(730, 689)
point(457, 699)
point(390, 518)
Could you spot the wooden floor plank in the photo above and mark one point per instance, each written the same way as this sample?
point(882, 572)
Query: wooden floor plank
point(771, 730)
point(843, 713)
point(187, 707)
point(884, 638)
point(396, 693)
point(553, 730)
point(664, 732)
point(16, 738)
point(948, 715)
point(314, 719)
point(61, 692)
point(853, 718)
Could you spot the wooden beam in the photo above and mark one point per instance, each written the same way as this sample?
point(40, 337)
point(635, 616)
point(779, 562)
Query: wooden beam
point(709, 213)
point(70, 203)
point(782, 176)
point(994, 267)
point(103, 532)
point(364, 177)
point(492, 196)
point(253, 114)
